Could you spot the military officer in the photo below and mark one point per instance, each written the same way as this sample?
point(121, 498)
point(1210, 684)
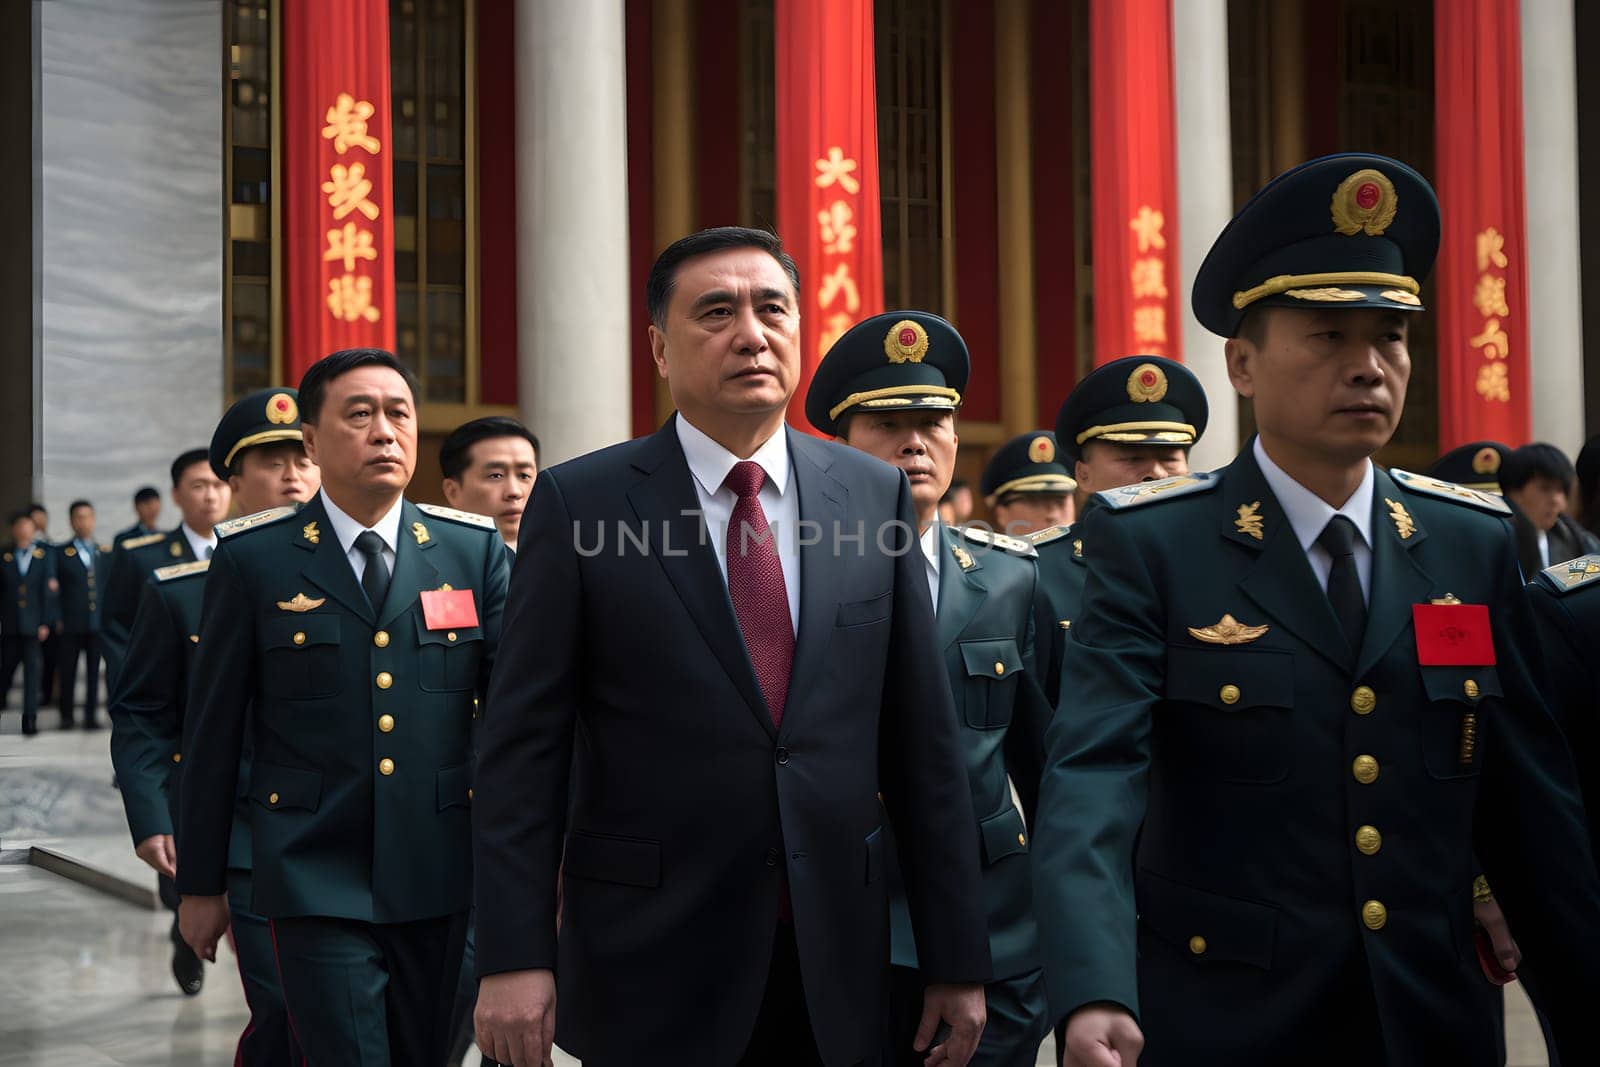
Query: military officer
point(1300, 709)
point(203, 501)
point(1132, 420)
point(81, 567)
point(1026, 485)
point(1475, 465)
point(357, 632)
point(28, 609)
point(891, 387)
point(146, 505)
point(257, 448)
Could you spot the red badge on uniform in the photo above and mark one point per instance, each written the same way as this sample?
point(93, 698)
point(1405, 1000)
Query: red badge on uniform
point(449, 609)
point(1453, 635)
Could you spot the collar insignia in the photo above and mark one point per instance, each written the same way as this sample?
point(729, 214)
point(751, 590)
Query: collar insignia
point(963, 557)
point(1404, 525)
point(310, 532)
point(1249, 520)
point(1077, 547)
point(301, 602)
point(1227, 631)
point(71, 551)
point(175, 549)
point(420, 532)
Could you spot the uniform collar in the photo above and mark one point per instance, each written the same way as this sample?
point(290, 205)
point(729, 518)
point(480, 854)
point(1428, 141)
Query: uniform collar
point(347, 529)
point(197, 544)
point(1308, 514)
point(710, 463)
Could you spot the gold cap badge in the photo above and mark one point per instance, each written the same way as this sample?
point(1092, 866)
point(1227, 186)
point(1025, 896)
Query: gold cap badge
point(1364, 202)
point(1147, 384)
point(1042, 450)
point(1485, 461)
point(906, 342)
point(281, 409)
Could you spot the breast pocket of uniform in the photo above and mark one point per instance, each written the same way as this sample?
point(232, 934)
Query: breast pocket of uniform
point(447, 660)
point(1236, 712)
point(992, 667)
point(1452, 719)
point(301, 657)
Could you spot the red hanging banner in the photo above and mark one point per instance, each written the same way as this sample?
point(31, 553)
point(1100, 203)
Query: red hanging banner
point(1482, 281)
point(338, 223)
point(1133, 181)
point(827, 167)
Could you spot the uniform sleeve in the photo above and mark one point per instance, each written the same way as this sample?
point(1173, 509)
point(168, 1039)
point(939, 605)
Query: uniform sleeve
point(496, 575)
point(1096, 779)
point(220, 688)
point(117, 609)
point(925, 783)
point(52, 590)
point(144, 718)
point(1031, 716)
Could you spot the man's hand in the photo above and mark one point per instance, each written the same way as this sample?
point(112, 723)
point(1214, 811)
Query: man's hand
point(515, 1021)
point(962, 1006)
point(157, 851)
point(1506, 952)
point(44, 634)
point(1102, 1035)
point(202, 921)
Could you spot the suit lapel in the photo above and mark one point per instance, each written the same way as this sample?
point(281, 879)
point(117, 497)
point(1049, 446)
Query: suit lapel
point(1397, 581)
point(821, 508)
point(665, 502)
point(961, 589)
point(327, 567)
point(412, 571)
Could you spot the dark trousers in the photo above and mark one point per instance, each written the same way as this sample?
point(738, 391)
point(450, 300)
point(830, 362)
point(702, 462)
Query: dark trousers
point(374, 994)
point(167, 890)
point(1016, 1027)
point(19, 649)
point(782, 1036)
point(49, 652)
point(72, 647)
point(267, 1039)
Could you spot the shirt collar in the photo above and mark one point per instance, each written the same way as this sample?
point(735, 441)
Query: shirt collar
point(1308, 513)
point(196, 542)
point(710, 463)
point(347, 529)
point(931, 539)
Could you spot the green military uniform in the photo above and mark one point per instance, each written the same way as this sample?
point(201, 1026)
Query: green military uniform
point(361, 721)
point(1028, 465)
point(82, 569)
point(984, 603)
point(27, 602)
point(1258, 826)
point(133, 562)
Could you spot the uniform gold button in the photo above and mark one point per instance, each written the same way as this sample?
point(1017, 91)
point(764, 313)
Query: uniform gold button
point(1197, 945)
point(272, 798)
point(999, 668)
point(386, 766)
point(1365, 768)
point(381, 638)
point(451, 636)
point(195, 638)
point(177, 757)
point(1066, 624)
point(1363, 700)
point(1470, 687)
point(385, 679)
point(469, 794)
point(1022, 839)
point(1368, 840)
point(1229, 694)
point(386, 723)
point(1374, 914)
point(299, 637)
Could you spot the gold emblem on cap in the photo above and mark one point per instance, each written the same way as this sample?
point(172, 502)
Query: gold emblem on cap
point(906, 342)
point(1365, 202)
point(1485, 461)
point(1041, 449)
point(281, 409)
point(1147, 384)
point(1400, 296)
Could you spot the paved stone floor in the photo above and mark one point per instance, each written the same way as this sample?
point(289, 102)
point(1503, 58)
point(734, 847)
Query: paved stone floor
point(84, 976)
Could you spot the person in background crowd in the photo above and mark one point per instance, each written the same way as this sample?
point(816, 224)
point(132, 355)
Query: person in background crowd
point(959, 498)
point(1537, 479)
point(1027, 487)
point(27, 612)
point(489, 465)
point(82, 567)
point(1587, 468)
point(1475, 465)
point(147, 505)
point(50, 650)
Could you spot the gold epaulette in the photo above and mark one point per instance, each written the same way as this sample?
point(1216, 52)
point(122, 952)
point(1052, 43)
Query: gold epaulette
point(139, 542)
point(1573, 574)
point(1140, 493)
point(253, 520)
point(466, 518)
point(179, 570)
point(1045, 536)
point(1460, 494)
point(1005, 542)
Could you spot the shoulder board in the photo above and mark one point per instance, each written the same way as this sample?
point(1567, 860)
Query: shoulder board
point(1460, 494)
point(1014, 545)
point(180, 570)
point(250, 522)
point(1565, 577)
point(466, 518)
point(105, 548)
point(139, 542)
point(1132, 496)
point(1044, 537)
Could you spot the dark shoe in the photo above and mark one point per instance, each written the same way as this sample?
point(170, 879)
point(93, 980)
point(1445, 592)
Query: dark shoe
point(91, 724)
point(188, 970)
point(66, 723)
point(30, 725)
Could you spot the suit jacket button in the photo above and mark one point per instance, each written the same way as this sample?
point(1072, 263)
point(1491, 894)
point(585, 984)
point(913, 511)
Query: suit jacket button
point(772, 857)
point(381, 638)
point(386, 723)
point(1375, 915)
point(1229, 694)
point(783, 755)
point(385, 679)
point(1363, 700)
point(386, 766)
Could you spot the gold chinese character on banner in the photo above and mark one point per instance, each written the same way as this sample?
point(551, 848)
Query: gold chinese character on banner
point(1150, 324)
point(1146, 227)
point(836, 283)
point(834, 328)
point(349, 245)
point(347, 191)
point(350, 298)
point(836, 167)
point(1493, 340)
point(1149, 278)
point(1494, 383)
point(1489, 297)
point(1491, 249)
point(838, 232)
point(347, 125)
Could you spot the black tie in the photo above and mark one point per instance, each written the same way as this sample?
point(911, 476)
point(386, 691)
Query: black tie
point(1344, 584)
point(375, 576)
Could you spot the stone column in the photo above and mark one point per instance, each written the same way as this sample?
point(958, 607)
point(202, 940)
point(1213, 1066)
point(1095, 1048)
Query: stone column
point(572, 224)
point(1019, 405)
point(1550, 167)
point(1205, 201)
point(672, 114)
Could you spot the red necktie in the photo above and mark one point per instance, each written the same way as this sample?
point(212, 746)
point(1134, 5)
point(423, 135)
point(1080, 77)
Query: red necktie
point(755, 582)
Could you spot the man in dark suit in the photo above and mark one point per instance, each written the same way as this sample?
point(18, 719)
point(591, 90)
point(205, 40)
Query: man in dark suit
point(50, 649)
point(146, 505)
point(1301, 714)
point(349, 640)
point(732, 684)
point(81, 567)
point(1537, 480)
point(28, 609)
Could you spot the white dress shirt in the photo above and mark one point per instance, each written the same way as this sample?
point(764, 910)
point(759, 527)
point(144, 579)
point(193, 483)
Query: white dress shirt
point(930, 551)
point(710, 463)
point(1308, 514)
point(347, 530)
point(202, 547)
point(1544, 548)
